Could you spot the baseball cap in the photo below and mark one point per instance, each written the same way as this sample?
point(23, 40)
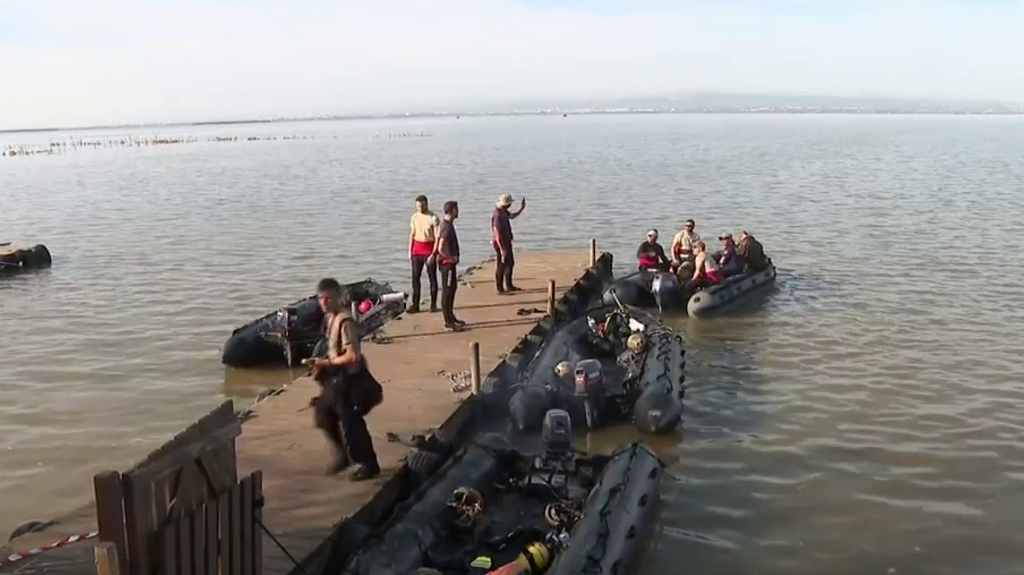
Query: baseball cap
point(725, 237)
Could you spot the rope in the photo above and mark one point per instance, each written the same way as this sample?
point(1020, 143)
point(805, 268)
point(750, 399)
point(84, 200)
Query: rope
point(15, 557)
point(592, 564)
point(280, 546)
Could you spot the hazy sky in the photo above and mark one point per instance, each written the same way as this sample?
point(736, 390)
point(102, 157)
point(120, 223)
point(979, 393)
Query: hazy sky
point(80, 62)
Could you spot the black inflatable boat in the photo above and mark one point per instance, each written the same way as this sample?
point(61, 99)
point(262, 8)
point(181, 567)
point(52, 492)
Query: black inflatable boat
point(612, 364)
point(479, 497)
point(647, 289)
point(492, 509)
point(289, 335)
point(14, 259)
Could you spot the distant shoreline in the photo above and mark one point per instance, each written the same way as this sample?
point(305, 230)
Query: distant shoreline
point(866, 111)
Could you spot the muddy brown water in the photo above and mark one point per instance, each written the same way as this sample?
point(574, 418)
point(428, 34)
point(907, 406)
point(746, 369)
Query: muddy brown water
point(863, 417)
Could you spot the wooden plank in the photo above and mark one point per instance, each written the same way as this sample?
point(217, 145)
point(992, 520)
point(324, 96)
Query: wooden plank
point(211, 552)
point(197, 521)
point(138, 502)
point(185, 453)
point(247, 545)
point(105, 557)
point(219, 417)
point(236, 531)
point(224, 511)
point(169, 551)
point(257, 518)
point(110, 513)
point(183, 525)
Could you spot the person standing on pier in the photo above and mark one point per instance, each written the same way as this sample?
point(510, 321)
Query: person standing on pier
point(448, 252)
point(501, 239)
point(348, 389)
point(423, 226)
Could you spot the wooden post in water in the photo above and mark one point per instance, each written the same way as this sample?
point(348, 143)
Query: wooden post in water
point(551, 298)
point(593, 251)
point(474, 367)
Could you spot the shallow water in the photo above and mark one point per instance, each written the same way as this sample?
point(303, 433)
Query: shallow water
point(864, 417)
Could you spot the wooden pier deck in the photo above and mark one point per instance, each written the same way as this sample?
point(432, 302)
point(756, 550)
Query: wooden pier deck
point(303, 504)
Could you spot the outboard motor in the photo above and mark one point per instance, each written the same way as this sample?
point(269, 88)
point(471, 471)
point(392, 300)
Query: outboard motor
point(591, 390)
point(556, 435)
point(667, 291)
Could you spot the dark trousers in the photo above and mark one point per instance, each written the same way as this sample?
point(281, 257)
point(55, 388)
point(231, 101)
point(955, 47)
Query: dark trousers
point(342, 420)
point(418, 263)
point(503, 268)
point(449, 283)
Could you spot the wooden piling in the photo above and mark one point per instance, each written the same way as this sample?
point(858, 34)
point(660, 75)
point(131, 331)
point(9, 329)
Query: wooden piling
point(474, 366)
point(593, 251)
point(551, 298)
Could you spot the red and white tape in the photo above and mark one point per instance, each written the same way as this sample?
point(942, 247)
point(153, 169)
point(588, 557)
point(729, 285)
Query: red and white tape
point(14, 558)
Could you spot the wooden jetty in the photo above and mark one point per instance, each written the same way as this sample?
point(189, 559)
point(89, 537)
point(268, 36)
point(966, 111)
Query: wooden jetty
point(169, 508)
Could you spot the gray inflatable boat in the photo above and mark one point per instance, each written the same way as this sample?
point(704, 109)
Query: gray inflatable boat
point(733, 289)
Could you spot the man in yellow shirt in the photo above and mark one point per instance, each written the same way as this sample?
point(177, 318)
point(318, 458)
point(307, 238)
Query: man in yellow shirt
point(423, 228)
point(683, 247)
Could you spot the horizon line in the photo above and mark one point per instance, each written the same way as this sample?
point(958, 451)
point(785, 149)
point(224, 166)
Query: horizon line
point(605, 110)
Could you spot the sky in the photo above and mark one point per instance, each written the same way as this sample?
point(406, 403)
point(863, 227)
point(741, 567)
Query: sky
point(93, 62)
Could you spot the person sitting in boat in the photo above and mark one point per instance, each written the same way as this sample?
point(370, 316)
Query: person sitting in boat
point(752, 252)
point(706, 272)
point(651, 255)
point(682, 242)
point(730, 263)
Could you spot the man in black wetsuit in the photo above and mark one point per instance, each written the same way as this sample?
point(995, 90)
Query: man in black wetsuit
point(651, 254)
point(348, 389)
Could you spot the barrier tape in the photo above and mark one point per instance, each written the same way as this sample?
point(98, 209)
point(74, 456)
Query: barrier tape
point(15, 557)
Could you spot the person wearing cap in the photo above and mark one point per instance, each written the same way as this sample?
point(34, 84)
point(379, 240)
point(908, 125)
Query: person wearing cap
point(423, 228)
point(501, 239)
point(752, 252)
point(651, 255)
point(730, 263)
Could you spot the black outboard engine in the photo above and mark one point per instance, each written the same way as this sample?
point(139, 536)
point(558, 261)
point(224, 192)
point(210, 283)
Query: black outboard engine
point(556, 434)
point(591, 390)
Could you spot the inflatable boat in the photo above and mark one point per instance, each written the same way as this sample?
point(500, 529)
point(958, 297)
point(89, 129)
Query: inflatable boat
point(650, 289)
point(733, 289)
point(14, 259)
point(477, 496)
point(647, 289)
point(492, 509)
point(290, 334)
point(612, 364)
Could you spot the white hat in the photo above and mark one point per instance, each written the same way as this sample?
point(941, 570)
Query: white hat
point(504, 200)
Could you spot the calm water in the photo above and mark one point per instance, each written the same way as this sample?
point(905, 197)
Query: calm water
point(866, 417)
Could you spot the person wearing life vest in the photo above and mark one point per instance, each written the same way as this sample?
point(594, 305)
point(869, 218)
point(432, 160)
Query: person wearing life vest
point(730, 263)
point(651, 255)
point(348, 391)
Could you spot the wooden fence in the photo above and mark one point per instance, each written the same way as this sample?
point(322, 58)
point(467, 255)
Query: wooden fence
point(182, 510)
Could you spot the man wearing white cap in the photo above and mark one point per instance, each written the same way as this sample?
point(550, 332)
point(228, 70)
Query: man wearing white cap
point(501, 239)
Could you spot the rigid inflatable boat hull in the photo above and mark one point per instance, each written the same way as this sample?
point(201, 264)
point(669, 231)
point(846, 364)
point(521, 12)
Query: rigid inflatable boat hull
point(647, 290)
point(616, 507)
point(288, 338)
point(14, 259)
point(732, 290)
point(618, 512)
point(652, 382)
